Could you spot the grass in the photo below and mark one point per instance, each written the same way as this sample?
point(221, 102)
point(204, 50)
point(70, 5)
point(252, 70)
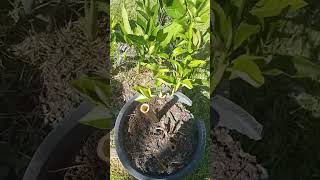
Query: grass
point(201, 111)
point(118, 172)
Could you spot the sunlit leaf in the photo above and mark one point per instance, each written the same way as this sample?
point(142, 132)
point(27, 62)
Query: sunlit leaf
point(175, 8)
point(245, 68)
point(98, 117)
point(196, 63)
point(187, 83)
point(125, 20)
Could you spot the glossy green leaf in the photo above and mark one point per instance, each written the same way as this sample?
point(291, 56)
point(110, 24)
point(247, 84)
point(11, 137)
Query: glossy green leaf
point(302, 67)
point(141, 98)
point(195, 38)
point(98, 117)
point(144, 91)
point(243, 33)
point(177, 66)
point(163, 55)
point(187, 83)
point(176, 8)
point(245, 68)
point(125, 20)
point(141, 21)
point(96, 89)
point(172, 30)
point(273, 72)
point(177, 86)
point(139, 31)
point(221, 25)
point(270, 8)
point(204, 11)
point(178, 51)
point(136, 39)
point(161, 37)
point(166, 80)
point(196, 63)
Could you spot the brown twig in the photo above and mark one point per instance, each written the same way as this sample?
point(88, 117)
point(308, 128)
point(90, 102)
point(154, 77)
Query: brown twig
point(71, 167)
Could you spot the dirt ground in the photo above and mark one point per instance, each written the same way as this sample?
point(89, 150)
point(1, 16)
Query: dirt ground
point(229, 161)
point(40, 68)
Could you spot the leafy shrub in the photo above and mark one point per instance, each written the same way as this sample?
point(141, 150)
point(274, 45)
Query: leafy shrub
point(243, 35)
point(240, 39)
point(168, 41)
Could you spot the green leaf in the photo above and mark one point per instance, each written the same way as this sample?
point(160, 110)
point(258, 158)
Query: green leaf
point(150, 27)
point(239, 4)
point(245, 68)
point(222, 24)
point(163, 55)
point(143, 91)
point(166, 80)
point(163, 70)
point(140, 4)
point(204, 11)
point(273, 72)
point(141, 21)
point(141, 98)
point(187, 83)
point(125, 20)
point(196, 63)
point(244, 32)
point(178, 51)
point(154, 10)
point(186, 72)
point(176, 8)
point(217, 75)
point(305, 67)
point(177, 66)
point(177, 86)
point(139, 31)
point(172, 30)
point(98, 117)
point(136, 39)
point(97, 89)
point(161, 36)
point(271, 8)
point(196, 37)
point(294, 67)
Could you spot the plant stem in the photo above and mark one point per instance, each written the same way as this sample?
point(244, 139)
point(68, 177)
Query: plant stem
point(146, 110)
point(217, 75)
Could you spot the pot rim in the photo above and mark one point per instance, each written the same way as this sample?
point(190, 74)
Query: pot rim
point(123, 157)
point(68, 127)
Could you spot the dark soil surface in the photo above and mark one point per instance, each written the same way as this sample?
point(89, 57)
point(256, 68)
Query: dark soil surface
point(229, 161)
point(87, 164)
point(163, 147)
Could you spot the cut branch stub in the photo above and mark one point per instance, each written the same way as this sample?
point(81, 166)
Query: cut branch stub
point(146, 110)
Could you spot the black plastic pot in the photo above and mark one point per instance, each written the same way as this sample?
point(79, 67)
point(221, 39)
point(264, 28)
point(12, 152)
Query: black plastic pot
point(60, 146)
point(119, 142)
